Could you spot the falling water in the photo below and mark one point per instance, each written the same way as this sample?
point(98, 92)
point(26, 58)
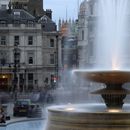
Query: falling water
point(111, 42)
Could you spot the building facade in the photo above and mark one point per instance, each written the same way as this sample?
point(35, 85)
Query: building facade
point(28, 50)
point(20, 28)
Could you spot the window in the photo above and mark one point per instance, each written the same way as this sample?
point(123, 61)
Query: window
point(30, 56)
point(16, 23)
point(30, 24)
point(74, 57)
point(3, 23)
point(16, 14)
point(30, 76)
point(91, 48)
point(91, 9)
point(3, 61)
point(52, 59)
point(30, 60)
point(3, 40)
point(3, 7)
point(16, 40)
point(51, 42)
point(30, 40)
point(3, 57)
point(82, 34)
point(30, 81)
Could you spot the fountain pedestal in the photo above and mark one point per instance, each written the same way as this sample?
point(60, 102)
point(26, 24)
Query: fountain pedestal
point(113, 95)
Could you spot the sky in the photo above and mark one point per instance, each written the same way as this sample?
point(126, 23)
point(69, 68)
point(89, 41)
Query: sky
point(62, 8)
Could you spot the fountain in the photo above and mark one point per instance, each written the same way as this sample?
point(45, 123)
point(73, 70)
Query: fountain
point(114, 114)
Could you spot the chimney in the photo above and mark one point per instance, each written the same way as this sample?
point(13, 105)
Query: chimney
point(49, 13)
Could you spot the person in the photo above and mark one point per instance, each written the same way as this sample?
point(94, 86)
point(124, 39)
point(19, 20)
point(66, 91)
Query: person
point(2, 115)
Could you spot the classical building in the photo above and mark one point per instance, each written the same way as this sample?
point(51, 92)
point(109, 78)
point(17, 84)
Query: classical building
point(19, 28)
point(28, 49)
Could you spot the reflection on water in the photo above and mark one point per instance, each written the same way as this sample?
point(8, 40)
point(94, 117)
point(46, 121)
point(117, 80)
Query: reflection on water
point(30, 125)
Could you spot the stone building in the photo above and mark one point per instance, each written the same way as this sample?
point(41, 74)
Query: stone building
point(18, 27)
point(36, 42)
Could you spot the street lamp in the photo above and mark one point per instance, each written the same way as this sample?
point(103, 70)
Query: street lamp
point(16, 68)
point(56, 62)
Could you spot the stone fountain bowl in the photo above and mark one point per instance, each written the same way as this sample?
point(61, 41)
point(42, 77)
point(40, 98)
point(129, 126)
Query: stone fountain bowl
point(107, 76)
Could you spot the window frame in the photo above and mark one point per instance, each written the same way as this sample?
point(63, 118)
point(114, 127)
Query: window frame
point(30, 60)
point(16, 40)
point(52, 59)
point(3, 40)
point(52, 43)
point(30, 41)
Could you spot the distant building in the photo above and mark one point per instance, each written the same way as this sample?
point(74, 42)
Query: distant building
point(68, 31)
point(86, 24)
point(69, 52)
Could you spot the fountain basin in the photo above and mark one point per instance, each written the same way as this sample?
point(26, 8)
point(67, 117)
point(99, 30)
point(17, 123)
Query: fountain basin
point(114, 94)
point(88, 117)
point(106, 76)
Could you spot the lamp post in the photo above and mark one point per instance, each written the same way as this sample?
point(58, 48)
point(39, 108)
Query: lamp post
point(15, 71)
point(56, 62)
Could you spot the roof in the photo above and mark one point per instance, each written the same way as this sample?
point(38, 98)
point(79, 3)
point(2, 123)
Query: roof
point(15, 14)
point(45, 19)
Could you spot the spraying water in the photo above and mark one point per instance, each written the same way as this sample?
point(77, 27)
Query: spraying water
point(111, 36)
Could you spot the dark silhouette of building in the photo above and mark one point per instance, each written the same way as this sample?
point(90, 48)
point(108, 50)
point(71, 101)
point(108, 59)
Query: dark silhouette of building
point(34, 7)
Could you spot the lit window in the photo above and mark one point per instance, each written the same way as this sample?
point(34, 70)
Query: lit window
point(30, 40)
point(3, 40)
